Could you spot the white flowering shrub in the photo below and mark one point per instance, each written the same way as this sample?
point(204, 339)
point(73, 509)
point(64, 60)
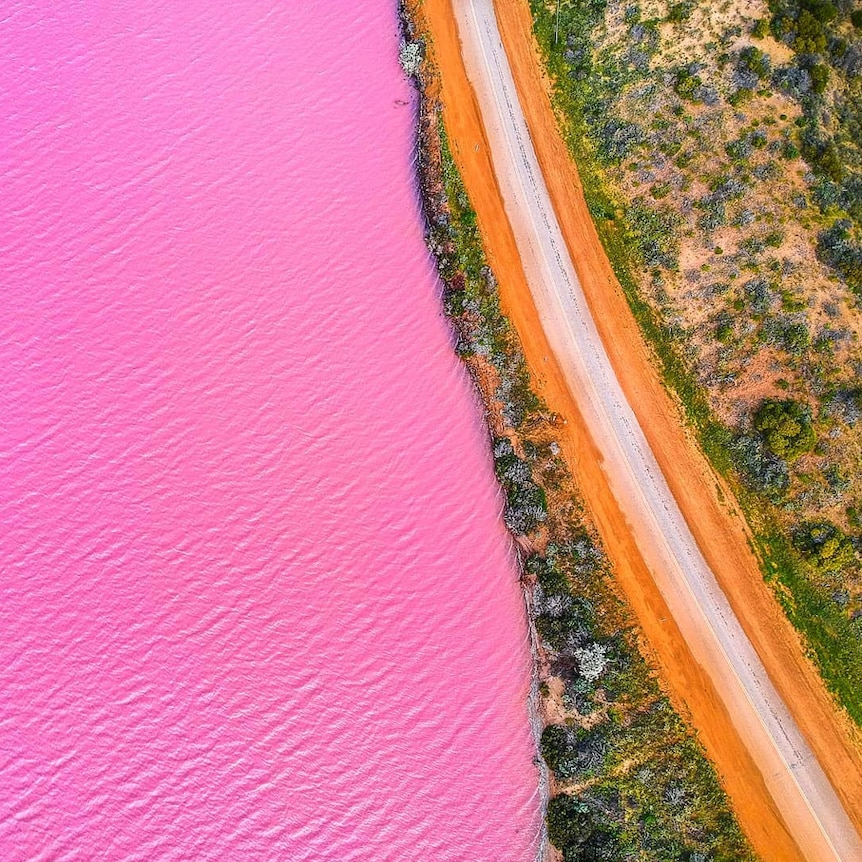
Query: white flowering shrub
point(410, 57)
point(555, 606)
point(592, 661)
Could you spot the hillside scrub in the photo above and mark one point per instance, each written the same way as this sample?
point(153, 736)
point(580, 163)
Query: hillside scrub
point(720, 151)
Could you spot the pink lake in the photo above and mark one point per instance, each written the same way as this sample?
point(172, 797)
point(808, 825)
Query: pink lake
point(257, 601)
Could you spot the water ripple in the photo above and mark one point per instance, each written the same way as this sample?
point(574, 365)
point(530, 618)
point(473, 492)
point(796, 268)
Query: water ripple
point(257, 600)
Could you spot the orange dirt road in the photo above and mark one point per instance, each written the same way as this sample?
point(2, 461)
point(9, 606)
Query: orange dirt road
point(720, 532)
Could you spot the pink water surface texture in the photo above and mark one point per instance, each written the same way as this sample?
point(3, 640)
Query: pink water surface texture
point(256, 599)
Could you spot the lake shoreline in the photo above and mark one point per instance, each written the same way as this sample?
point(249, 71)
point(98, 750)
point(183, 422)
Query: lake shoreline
point(432, 199)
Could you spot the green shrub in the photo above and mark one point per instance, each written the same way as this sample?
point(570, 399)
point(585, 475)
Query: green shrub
point(558, 746)
point(754, 60)
point(740, 96)
point(757, 290)
point(572, 828)
point(823, 11)
point(760, 29)
point(759, 468)
point(785, 427)
point(789, 150)
point(552, 580)
point(660, 190)
point(838, 248)
point(680, 12)
point(822, 154)
point(686, 85)
point(526, 504)
point(575, 753)
point(824, 545)
point(724, 327)
point(819, 77)
point(758, 139)
point(655, 233)
point(809, 35)
point(795, 338)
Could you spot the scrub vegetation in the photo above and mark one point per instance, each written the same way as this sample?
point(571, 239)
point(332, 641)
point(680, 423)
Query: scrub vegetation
point(720, 148)
point(629, 779)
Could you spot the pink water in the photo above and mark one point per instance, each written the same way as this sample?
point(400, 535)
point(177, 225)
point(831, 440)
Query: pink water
point(256, 598)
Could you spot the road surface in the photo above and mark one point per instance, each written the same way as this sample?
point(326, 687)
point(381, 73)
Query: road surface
point(798, 785)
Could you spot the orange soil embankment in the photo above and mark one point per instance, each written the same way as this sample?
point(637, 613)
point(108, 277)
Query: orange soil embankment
point(721, 533)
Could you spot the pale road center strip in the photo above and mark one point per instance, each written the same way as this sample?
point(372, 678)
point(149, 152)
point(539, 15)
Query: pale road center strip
point(809, 805)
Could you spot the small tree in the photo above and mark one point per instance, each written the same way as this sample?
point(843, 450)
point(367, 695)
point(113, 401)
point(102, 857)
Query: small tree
point(824, 545)
point(558, 747)
point(753, 60)
point(785, 427)
point(573, 828)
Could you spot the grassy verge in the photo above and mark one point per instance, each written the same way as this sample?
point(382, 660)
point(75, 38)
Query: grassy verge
point(831, 638)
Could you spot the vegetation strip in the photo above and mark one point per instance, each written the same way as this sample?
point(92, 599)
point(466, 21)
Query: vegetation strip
point(630, 779)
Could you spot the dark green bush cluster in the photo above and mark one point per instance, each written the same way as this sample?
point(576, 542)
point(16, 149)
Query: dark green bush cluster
point(752, 59)
point(822, 154)
point(574, 753)
point(803, 24)
point(785, 427)
point(837, 248)
point(833, 149)
point(471, 299)
point(573, 828)
point(824, 545)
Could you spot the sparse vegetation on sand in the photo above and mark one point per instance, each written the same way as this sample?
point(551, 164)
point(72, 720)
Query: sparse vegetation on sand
point(720, 148)
point(630, 779)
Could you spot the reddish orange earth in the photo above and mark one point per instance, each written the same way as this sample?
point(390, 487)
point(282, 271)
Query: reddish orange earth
point(719, 530)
